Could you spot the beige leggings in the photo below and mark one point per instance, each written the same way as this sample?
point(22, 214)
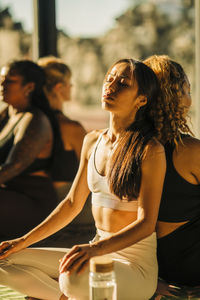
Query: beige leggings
point(135, 267)
point(32, 272)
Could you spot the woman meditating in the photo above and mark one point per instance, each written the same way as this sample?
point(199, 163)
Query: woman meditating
point(58, 92)
point(124, 168)
point(178, 225)
point(29, 136)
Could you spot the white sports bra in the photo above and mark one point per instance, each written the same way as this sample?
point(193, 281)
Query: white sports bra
point(98, 185)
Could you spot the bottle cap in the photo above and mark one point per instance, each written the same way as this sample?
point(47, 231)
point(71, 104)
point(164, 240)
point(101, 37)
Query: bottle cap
point(101, 264)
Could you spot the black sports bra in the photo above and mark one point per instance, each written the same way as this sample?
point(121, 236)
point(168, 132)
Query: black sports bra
point(65, 163)
point(180, 199)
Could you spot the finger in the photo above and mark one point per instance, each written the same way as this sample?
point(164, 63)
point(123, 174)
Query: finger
point(6, 253)
point(158, 297)
point(77, 265)
point(83, 267)
point(4, 245)
point(73, 250)
point(174, 292)
point(67, 262)
point(69, 254)
point(166, 293)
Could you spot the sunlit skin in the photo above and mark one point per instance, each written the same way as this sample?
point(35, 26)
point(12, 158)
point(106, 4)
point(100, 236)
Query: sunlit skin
point(117, 87)
point(186, 100)
point(119, 93)
point(185, 160)
point(16, 94)
point(13, 91)
point(72, 131)
point(67, 85)
point(120, 98)
point(60, 93)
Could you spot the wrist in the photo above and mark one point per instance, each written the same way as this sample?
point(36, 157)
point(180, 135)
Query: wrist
point(98, 248)
point(26, 241)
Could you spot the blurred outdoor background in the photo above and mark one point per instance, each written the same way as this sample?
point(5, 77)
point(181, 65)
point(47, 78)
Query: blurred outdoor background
point(92, 34)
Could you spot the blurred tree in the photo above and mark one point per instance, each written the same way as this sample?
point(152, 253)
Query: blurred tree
point(147, 27)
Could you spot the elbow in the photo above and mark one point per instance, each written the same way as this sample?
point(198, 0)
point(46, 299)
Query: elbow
point(148, 227)
point(148, 222)
point(73, 206)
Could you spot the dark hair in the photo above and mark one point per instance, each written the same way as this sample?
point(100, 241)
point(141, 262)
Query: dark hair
point(31, 72)
point(125, 166)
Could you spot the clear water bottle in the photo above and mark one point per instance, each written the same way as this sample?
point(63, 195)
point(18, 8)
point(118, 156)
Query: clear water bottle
point(102, 279)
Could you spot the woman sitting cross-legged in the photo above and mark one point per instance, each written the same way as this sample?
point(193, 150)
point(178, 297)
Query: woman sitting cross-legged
point(58, 92)
point(178, 226)
point(124, 168)
point(29, 135)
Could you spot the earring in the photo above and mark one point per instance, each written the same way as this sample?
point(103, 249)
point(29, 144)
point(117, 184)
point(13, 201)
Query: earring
point(137, 107)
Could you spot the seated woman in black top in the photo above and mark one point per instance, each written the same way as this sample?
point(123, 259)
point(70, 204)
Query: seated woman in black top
point(178, 226)
point(58, 91)
point(29, 136)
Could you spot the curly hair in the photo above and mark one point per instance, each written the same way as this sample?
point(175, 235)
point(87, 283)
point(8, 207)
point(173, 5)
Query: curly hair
point(168, 115)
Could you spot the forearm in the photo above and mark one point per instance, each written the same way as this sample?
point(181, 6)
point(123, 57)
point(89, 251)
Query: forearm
point(9, 171)
point(126, 237)
point(81, 254)
point(62, 215)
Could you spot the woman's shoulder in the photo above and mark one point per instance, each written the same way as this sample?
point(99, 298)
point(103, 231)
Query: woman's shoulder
point(190, 141)
point(91, 139)
point(38, 113)
point(154, 147)
point(70, 125)
point(154, 157)
point(189, 154)
point(92, 136)
point(191, 146)
point(36, 118)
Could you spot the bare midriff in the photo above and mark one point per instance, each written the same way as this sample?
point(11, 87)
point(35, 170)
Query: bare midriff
point(112, 220)
point(165, 228)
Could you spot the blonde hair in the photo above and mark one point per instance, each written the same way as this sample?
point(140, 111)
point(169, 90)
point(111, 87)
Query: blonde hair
point(169, 116)
point(55, 69)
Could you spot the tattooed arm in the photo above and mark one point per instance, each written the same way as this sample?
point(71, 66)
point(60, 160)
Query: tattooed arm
point(31, 135)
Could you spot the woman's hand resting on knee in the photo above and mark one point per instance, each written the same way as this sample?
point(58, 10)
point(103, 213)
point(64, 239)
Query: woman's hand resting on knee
point(77, 259)
point(11, 246)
